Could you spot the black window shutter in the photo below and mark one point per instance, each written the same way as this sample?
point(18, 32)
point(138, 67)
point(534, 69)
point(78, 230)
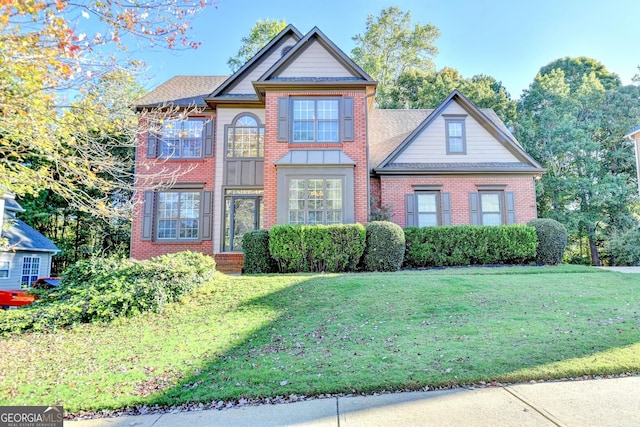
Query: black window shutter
point(446, 208)
point(147, 216)
point(474, 208)
point(410, 210)
point(206, 215)
point(208, 138)
point(152, 144)
point(283, 119)
point(347, 119)
point(511, 208)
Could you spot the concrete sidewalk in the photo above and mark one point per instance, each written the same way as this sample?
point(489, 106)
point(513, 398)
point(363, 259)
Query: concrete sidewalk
point(605, 402)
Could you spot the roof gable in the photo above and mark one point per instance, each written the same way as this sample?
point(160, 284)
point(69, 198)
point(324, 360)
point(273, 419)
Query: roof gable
point(489, 143)
point(317, 49)
point(269, 54)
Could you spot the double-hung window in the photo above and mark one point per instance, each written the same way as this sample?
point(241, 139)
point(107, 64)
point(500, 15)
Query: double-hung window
point(316, 120)
point(181, 139)
point(427, 206)
point(491, 208)
point(30, 270)
point(455, 135)
point(315, 201)
point(492, 205)
point(178, 214)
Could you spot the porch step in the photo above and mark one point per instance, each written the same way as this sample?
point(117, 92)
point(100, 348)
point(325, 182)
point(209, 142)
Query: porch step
point(229, 263)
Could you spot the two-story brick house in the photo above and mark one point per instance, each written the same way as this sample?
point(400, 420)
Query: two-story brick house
point(294, 137)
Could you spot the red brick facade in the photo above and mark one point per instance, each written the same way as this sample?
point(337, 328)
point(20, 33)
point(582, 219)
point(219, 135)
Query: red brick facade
point(151, 172)
point(372, 181)
point(393, 190)
point(356, 150)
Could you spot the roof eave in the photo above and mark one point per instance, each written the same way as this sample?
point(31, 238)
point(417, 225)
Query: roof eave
point(457, 171)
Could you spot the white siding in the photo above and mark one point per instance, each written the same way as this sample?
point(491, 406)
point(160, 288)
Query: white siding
point(315, 61)
point(431, 146)
point(224, 117)
point(244, 86)
point(14, 281)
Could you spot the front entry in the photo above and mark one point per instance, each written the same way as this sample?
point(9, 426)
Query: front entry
point(243, 213)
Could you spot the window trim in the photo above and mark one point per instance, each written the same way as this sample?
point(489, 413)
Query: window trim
point(315, 100)
point(325, 210)
point(233, 125)
point(30, 275)
point(438, 211)
point(326, 171)
point(451, 119)
point(502, 205)
point(8, 270)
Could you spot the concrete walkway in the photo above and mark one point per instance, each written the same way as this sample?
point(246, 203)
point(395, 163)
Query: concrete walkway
point(604, 402)
point(622, 269)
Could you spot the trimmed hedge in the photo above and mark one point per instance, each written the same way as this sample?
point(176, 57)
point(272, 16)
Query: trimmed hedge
point(469, 245)
point(385, 247)
point(317, 248)
point(257, 259)
point(552, 240)
point(104, 289)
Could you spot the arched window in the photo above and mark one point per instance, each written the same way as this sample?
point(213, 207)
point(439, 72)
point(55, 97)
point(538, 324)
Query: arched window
point(245, 137)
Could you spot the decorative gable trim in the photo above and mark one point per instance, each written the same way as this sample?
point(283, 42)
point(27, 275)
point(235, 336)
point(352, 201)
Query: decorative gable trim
point(501, 136)
point(289, 30)
point(270, 78)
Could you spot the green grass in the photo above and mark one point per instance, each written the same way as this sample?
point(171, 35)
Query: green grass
point(261, 336)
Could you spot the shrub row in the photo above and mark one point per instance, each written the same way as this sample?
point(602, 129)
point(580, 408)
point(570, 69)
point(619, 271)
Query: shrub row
point(317, 248)
point(469, 245)
point(103, 289)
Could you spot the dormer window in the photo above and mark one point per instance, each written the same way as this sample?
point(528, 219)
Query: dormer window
point(455, 135)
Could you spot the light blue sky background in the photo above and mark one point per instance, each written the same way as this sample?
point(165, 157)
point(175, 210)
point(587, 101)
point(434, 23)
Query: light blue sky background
point(507, 39)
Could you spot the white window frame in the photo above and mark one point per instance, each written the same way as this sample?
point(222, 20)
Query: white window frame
point(7, 269)
point(180, 139)
point(179, 218)
point(30, 274)
point(315, 120)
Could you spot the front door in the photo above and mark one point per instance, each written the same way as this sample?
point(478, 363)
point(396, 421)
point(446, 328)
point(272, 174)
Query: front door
point(245, 214)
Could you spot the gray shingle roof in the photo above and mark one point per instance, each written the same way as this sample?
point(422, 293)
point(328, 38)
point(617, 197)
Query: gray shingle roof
point(182, 91)
point(23, 237)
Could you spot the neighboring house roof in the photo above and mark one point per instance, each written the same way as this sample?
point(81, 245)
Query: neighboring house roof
point(181, 91)
point(391, 146)
point(23, 237)
point(633, 132)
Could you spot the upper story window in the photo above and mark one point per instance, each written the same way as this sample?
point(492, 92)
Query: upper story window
point(456, 138)
point(245, 137)
point(190, 138)
point(181, 139)
point(315, 120)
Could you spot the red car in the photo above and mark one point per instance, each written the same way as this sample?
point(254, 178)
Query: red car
point(17, 298)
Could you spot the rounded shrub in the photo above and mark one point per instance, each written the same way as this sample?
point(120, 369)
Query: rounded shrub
point(552, 240)
point(257, 259)
point(385, 246)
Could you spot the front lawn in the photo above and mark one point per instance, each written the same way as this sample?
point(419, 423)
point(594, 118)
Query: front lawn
point(278, 335)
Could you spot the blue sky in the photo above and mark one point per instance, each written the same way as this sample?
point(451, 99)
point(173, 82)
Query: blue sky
point(507, 39)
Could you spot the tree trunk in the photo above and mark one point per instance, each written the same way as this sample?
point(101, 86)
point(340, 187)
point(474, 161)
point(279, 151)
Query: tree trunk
point(595, 257)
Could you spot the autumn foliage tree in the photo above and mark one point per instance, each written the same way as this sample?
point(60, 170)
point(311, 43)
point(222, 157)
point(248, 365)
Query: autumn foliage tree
point(56, 128)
